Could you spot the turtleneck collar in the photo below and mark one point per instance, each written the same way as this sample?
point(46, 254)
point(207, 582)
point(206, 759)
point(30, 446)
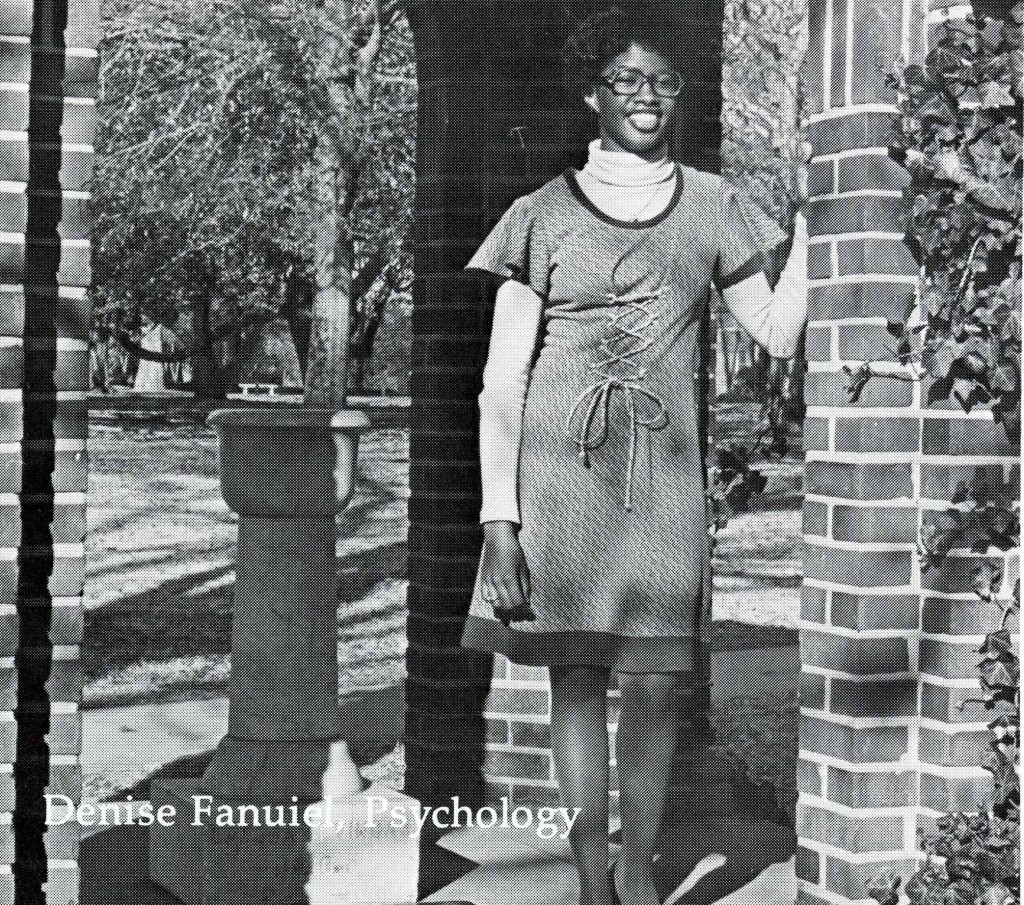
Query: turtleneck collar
point(624, 168)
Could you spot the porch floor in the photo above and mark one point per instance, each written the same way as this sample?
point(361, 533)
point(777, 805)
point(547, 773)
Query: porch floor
point(492, 867)
point(467, 865)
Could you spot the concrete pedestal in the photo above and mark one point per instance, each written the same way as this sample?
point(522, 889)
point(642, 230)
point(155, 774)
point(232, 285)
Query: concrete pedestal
point(287, 474)
point(208, 864)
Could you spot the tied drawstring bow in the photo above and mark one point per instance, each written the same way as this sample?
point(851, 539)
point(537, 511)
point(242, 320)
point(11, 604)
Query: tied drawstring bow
point(600, 392)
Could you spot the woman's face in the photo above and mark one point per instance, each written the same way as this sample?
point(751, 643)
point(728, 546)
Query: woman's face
point(635, 123)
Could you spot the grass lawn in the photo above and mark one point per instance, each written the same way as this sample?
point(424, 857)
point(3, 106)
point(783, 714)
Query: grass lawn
point(160, 564)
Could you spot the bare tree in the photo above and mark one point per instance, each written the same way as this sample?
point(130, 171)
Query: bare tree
point(349, 41)
point(220, 115)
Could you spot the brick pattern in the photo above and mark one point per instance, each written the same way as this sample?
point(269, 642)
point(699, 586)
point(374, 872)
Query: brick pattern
point(49, 73)
point(446, 686)
point(518, 761)
point(887, 651)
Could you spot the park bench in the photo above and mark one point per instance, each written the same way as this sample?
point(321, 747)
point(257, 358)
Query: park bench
point(258, 389)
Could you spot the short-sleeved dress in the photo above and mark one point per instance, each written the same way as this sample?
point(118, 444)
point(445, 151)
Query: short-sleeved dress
point(612, 494)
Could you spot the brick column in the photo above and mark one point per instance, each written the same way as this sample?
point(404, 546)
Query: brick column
point(887, 652)
point(49, 65)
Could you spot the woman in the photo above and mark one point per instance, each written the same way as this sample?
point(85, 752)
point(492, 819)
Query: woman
point(597, 548)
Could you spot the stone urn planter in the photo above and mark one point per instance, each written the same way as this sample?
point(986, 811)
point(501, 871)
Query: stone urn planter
point(287, 473)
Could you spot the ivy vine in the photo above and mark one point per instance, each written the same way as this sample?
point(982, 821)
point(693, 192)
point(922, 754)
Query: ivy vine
point(960, 140)
point(974, 859)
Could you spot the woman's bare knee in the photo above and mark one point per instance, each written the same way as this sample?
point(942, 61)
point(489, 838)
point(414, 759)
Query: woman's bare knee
point(579, 677)
point(578, 688)
point(657, 691)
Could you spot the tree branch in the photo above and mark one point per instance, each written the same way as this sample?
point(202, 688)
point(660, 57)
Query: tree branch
point(367, 54)
point(370, 271)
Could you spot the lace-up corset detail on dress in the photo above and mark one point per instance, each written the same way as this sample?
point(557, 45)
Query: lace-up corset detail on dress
point(627, 341)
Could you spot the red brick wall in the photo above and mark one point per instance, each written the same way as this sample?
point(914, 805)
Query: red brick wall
point(518, 762)
point(887, 651)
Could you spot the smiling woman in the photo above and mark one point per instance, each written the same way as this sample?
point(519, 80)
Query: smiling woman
point(596, 526)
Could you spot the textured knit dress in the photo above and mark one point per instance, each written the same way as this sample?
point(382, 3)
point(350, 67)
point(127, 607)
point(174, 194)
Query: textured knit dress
point(614, 520)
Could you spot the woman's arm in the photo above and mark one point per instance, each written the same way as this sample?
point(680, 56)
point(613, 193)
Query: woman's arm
point(517, 314)
point(775, 319)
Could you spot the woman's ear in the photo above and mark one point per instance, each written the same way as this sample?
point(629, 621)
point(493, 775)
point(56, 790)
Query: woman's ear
point(590, 99)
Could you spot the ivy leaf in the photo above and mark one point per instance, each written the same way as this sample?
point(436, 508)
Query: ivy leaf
point(1011, 327)
point(858, 380)
point(995, 674)
point(997, 894)
point(1003, 379)
point(986, 577)
point(975, 362)
point(1005, 778)
point(993, 94)
point(969, 393)
point(933, 298)
point(939, 361)
point(885, 890)
point(905, 352)
point(998, 644)
point(916, 74)
point(940, 390)
point(948, 165)
point(959, 893)
point(990, 196)
point(914, 246)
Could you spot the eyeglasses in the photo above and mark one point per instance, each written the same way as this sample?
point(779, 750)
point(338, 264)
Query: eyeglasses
point(631, 81)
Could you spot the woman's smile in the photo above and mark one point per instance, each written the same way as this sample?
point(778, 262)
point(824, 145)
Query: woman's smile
point(645, 120)
point(636, 123)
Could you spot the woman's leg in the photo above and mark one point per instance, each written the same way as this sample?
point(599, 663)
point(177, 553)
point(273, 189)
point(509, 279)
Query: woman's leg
point(644, 747)
point(579, 744)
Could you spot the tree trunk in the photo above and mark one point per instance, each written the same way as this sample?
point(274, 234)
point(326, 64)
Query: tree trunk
point(212, 374)
point(202, 375)
point(347, 63)
point(211, 379)
point(327, 364)
point(297, 310)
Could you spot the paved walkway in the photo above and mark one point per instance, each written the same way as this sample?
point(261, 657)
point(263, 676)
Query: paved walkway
point(491, 867)
point(139, 738)
point(469, 865)
point(516, 866)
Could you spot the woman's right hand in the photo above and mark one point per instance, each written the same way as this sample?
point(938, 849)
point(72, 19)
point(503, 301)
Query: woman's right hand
point(504, 576)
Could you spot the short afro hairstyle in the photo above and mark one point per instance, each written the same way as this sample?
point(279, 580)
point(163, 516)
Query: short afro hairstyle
point(602, 36)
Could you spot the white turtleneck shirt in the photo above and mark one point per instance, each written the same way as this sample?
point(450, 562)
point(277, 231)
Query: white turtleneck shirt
point(626, 187)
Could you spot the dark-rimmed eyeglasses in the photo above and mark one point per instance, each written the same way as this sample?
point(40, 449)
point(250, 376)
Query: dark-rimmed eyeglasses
point(668, 83)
